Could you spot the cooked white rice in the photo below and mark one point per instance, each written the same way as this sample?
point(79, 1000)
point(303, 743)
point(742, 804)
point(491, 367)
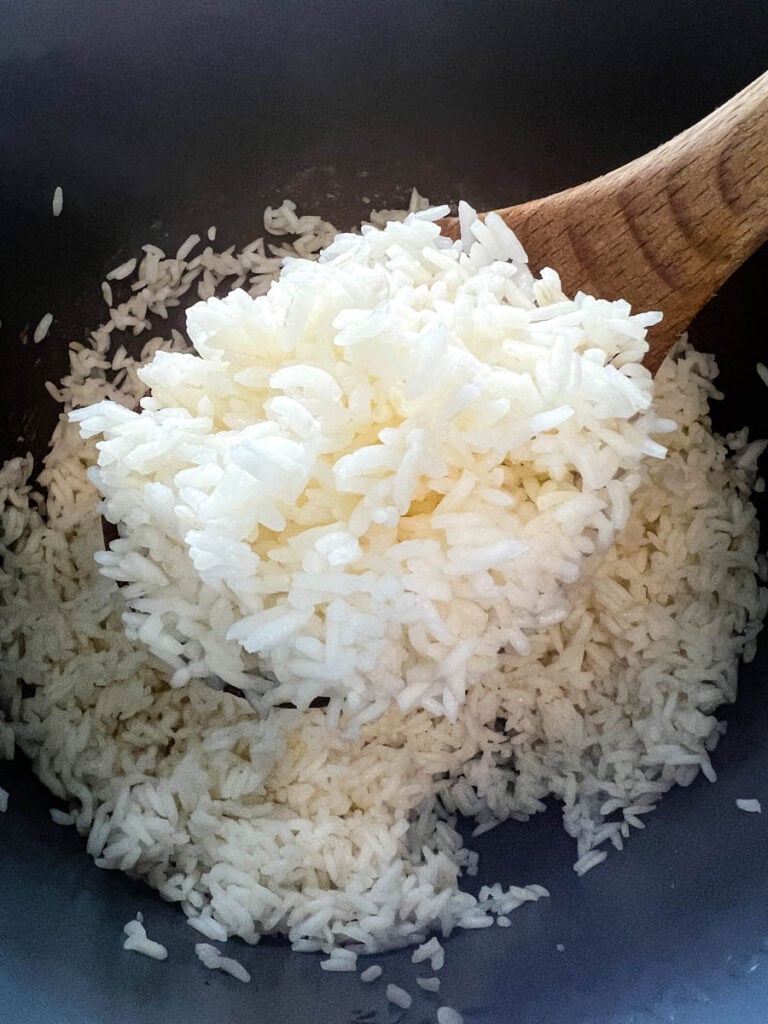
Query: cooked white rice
point(429, 984)
point(280, 823)
point(122, 271)
point(57, 203)
point(750, 806)
point(7, 739)
point(372, 973)
point(136, 941)
point(41, 331)
point(208, 927)
point(340, 960)
point(398, 996)
point(211, 958)
point(307, 509)
point(447, 1015)
point(60, 817)
point(431, 951)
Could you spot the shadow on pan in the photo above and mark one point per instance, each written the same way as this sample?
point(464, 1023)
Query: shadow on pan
point(160, 120)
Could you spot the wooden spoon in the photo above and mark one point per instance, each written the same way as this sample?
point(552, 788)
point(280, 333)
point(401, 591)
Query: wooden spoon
point(666, 230)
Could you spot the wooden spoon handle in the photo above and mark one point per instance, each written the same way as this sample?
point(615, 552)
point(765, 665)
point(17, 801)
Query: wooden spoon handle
point(666, 230)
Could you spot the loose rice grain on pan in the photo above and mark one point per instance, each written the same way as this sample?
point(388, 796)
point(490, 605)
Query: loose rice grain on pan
point(136, 941)
point(209, 927)
point(750, 806)
point(41, 331)
point(60, 817)
point(447, 1015)
point(371, 973)
point(429, 984)
point(398, 996)
point(212, 958)
point(122, 271)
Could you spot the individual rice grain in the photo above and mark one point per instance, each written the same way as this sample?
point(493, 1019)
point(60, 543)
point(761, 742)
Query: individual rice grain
point(186, 247)
point(750, 806)
point(43, 326)
point(136, 941)
point(432, 951)
point(371, 973)
point(398, 996)
point(122, 271)
point(211, 958)
point(447, 1015)
point(340, 960)
point(60, 817)
point(57, 203)
point(429, 984)
point(209, 927)
point(590, 860)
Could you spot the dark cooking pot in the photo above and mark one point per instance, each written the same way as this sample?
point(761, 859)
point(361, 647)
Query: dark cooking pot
point(162, 118)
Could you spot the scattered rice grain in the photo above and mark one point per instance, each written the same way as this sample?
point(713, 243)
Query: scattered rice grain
point(751, 806)
point(41, 331)
point(398, 996)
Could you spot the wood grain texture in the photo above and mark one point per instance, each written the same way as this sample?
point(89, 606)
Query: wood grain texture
point(666, 230)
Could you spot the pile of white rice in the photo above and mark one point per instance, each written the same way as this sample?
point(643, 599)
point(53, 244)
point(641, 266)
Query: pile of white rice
point(280, 821)
point(370, 480)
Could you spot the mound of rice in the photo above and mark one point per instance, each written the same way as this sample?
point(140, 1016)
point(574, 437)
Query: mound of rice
point(278, 821)
point(376, 476)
